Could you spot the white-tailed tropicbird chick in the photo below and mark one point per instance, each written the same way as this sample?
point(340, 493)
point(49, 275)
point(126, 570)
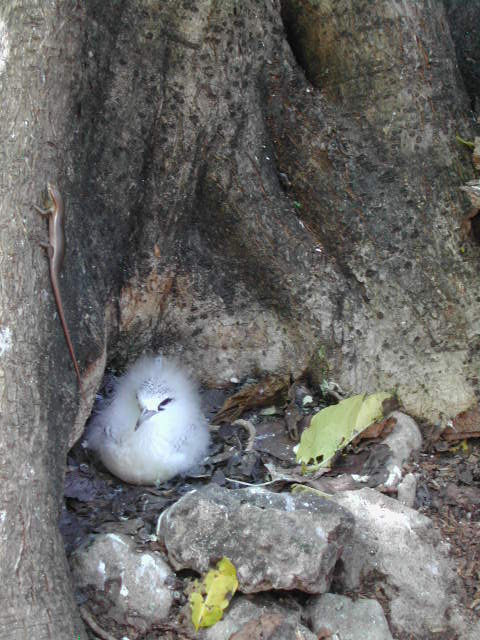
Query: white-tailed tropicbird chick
point(154, 428)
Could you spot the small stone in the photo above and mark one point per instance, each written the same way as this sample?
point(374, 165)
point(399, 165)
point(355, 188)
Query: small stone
point(361, 619)
point(307, 401)
point(407, 490)
point(251, 619)
point(134, 581)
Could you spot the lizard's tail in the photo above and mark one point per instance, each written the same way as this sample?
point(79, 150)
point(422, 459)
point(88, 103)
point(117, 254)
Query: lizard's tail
point(58, 300)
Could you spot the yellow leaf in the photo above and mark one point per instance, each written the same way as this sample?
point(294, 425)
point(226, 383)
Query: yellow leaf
point(213, 594)
point(332, 428)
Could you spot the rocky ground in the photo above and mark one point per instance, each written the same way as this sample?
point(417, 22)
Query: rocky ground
point(445, 487)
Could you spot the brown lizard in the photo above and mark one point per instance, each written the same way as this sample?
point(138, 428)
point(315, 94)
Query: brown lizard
point(55, 248)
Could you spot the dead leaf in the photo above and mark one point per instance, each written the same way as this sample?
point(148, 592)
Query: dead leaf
point(273, 439)
point(210, 597)
point(293, 417)
point(292, 474)
point(465, 425)
point(253, 396)
point(292, 414)
point(377, 429)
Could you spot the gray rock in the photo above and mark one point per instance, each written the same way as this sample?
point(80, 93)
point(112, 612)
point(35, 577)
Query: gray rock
point(402, 441)
point(407, 490)
point(245, 616)
point(352, 620)
point(135, 582)
point(404, 552)
point(275, 541)
point(465, 623)
point(470, 633)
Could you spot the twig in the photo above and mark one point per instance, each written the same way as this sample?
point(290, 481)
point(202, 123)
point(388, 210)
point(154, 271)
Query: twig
point(246, 424)
point(88, 619)
point(250, 484)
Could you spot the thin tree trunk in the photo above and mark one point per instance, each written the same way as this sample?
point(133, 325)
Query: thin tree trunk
point(38, 396)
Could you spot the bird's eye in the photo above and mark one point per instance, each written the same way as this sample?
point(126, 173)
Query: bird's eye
point(164, 403)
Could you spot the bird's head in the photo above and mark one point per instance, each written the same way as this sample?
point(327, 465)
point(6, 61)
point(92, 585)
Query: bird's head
point(153, 397)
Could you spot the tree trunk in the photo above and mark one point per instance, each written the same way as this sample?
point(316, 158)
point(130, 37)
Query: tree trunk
point(38, 400)
point(248, 208)
point(379, 188)
point(463, 19)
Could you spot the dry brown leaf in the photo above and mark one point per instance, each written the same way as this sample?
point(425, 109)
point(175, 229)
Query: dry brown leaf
point(465, 425)
point(263, 393)
point(377, 429)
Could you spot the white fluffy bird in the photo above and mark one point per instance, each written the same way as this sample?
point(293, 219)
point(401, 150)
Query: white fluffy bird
point(153, 428)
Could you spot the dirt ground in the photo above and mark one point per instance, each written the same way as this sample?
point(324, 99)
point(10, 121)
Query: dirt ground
point(447, 472)
point(448, 492)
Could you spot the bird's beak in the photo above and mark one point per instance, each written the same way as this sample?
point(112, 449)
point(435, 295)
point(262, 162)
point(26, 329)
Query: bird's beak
point(144, 416)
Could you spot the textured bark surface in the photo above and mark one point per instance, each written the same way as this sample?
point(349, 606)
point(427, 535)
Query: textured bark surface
point(463, 19)
point(250, 206)
point(380, 189)
point(360, 257)
point(38, 397)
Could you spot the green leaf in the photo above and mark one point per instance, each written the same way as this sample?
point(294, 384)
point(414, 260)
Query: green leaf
point(332, 428)
point(213, 594)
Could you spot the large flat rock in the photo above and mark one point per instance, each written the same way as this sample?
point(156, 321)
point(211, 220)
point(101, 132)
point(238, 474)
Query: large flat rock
point(275, 541)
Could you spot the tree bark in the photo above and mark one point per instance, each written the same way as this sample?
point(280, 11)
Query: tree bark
point(463, 19)
point(38, 399)
point(380, 188)
point(245, 207)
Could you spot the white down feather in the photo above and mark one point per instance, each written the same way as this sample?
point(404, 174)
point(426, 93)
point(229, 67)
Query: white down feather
point(172, 436)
